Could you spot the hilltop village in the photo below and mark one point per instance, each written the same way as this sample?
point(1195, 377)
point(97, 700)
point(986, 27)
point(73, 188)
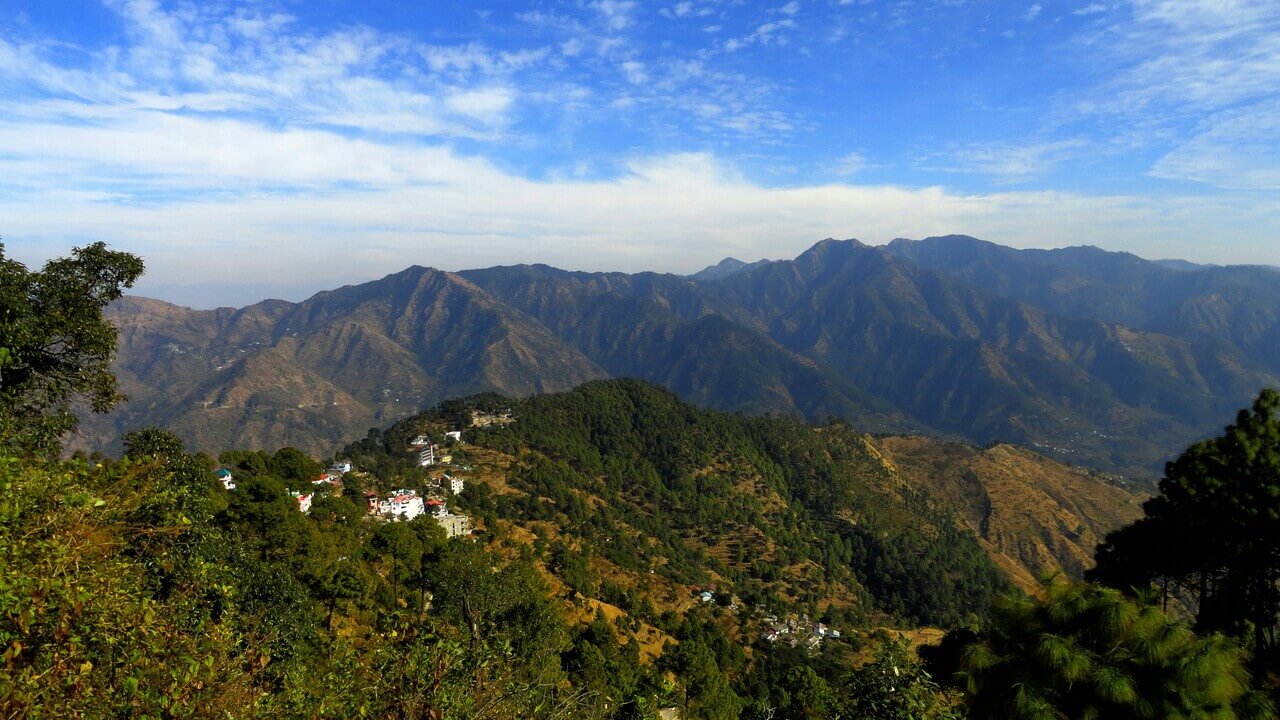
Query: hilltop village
point(432, 497)
point(440, 462)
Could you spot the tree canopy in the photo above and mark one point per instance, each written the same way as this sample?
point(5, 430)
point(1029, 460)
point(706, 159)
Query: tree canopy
point(55, 345)
point(1210, 541)
point(1088, 651)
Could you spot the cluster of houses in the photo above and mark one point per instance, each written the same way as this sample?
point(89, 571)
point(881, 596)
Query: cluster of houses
point(331, 477)
point(797, 632)
point(402, 504)
point(406, 504)
point(428, 452)
point(485, 419)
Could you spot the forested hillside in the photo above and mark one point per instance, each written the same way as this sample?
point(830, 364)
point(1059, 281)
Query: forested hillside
point(779, 513)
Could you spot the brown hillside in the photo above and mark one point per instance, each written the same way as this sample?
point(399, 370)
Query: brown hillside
point(1034, 516)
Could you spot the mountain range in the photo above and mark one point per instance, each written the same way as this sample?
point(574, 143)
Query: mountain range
point(1098, 358)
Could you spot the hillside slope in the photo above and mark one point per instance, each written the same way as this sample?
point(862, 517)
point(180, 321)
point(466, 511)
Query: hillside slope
point(662, 495)
point(1034, 517)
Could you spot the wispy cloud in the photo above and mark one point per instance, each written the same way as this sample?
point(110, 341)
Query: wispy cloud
point(1204, 72)
point(851, 164)
point(1005, 161)
point(453, 212)
point(241, 62)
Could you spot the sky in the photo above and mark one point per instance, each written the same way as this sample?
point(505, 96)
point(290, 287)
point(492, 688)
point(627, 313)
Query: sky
point(275, 148)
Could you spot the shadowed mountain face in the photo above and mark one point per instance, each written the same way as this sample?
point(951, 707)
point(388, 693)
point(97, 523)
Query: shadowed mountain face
point(1098, 358)
point(1237, 307)
point(313, 373)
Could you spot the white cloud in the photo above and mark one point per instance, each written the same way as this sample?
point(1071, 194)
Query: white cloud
point(770, 33)
point(1090, 9)
point(1032, 13)
point(634, 71)
point(1236, 149)
point(616, 13)
point(1200, 75)
point(487, 105)
point(851, 164)
point(194, 59)
point(432, 206)
point(679, 10)
point(1007, 162)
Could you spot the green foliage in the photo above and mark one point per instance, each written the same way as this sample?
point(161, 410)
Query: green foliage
point(894, 686)
point(671, 473)
point(152, 442)
point(1088, 651)
point(1210, 540)
point(57, 345)
point(293, 466)
point(84, 631)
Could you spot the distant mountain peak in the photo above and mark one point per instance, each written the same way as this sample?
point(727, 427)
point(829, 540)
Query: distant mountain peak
point(725, 268)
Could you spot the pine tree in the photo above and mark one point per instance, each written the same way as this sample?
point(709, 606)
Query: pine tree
point(1211, 539)
point(1088, 651)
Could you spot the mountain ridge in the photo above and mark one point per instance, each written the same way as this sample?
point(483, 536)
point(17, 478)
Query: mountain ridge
point(951, 336)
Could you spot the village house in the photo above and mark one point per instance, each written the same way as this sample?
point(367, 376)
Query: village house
point(402, 503)
point(341, 466)
point(304, 501)
point(454, 525)
point(330, 478)
point(454, 435)
point(225, 477)
point(426, 451)
point(455, 484)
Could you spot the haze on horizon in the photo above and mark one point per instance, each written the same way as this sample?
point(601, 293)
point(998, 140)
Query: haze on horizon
point(275, 148)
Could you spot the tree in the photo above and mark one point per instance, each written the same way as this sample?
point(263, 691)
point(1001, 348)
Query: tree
point(152, 442)
point(56, 345)
point(895, 686)
point(1089, 651)
point(1211, 539)
point(293, 466)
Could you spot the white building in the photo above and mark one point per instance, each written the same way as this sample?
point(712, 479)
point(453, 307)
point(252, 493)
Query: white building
point(456, 484)
point(404, 503)
point(426, 455)
point(224, 476)
point(342, 466)
point(454, 435)
point(304, 501)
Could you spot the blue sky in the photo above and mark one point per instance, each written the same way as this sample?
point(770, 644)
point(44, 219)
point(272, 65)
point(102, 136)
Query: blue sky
point(275, 148)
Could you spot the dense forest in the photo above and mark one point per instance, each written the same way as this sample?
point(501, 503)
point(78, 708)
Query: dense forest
point(633, 557)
